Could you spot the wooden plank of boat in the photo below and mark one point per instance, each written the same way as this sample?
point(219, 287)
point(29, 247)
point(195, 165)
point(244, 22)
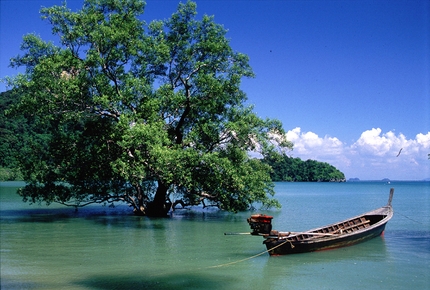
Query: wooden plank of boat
point(345, 233)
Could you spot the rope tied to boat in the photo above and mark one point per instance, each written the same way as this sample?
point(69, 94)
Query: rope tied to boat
point(249, 258)
point(227, 264)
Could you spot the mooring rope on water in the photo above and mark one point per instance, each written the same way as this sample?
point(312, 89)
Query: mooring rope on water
point(246, 259)
point(418, 222)
point(225, 264)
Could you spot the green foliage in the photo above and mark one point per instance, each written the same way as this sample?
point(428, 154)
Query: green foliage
point(8, 129)
point(10, 174)
point(13, 131)
point(294, 169)
point(140, 113)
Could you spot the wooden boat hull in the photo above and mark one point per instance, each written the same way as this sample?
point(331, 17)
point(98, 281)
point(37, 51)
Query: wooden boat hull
point(345, 233)
point(286, 246)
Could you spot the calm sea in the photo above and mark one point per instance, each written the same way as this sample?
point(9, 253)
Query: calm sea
point(108, 248)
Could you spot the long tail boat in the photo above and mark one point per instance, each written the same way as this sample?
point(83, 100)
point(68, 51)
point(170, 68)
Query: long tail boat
point(341, 234)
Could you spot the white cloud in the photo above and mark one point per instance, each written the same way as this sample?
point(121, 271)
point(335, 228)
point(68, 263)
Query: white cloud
point(424, 140)
point(373, 143)
point(311, 144)
point(372, 156)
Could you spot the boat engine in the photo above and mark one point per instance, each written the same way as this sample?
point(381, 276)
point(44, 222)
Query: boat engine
point(260, 224)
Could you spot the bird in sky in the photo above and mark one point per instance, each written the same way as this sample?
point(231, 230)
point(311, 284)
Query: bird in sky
point(399, 152)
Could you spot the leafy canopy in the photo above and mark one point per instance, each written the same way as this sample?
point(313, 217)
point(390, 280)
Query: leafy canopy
point(140, 113)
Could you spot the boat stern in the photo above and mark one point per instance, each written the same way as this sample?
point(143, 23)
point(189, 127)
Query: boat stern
point(260, 224)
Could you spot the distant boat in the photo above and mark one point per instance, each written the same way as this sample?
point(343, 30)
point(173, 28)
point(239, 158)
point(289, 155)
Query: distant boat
point(345, 233)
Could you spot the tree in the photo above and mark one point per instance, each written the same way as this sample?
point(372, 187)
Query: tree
point(140, 113)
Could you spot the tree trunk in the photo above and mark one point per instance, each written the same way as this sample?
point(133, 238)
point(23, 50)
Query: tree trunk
point(139, 208)
point(159, 207)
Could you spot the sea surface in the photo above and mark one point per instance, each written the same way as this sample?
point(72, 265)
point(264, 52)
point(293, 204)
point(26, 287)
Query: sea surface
point(100, 247)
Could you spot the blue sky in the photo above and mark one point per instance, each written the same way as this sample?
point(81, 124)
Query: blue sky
point(350, 80)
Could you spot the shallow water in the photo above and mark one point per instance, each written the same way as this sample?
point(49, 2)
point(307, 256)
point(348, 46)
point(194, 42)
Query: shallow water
point(103, 248)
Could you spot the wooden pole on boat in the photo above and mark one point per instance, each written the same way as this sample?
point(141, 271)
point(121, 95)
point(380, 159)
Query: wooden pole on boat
point(236, 234)
point(390, 199)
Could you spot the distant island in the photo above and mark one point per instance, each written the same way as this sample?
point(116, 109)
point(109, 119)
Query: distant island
point(387, 180)
point(358, 179)
point(294, 169)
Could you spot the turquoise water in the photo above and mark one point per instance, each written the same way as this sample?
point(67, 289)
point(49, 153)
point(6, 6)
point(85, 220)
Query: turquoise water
point(103, 248)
